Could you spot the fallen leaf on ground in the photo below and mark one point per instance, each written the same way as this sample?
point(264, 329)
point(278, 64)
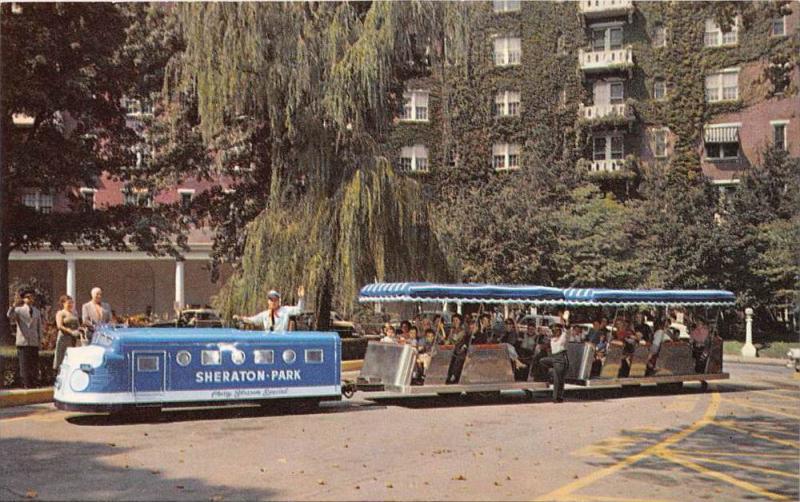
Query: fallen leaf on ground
point(497, 483)
point(31, 494)
point(320, 481)
point(389, 485)
point(508, 478)
point(460, 477)
point(282, 460)
point(155, 472)
point(179, 487)
point(358, 487)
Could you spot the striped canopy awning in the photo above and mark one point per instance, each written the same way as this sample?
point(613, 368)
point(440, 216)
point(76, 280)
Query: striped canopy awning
point(654, 297)
point(727, 134)
point(429, 292)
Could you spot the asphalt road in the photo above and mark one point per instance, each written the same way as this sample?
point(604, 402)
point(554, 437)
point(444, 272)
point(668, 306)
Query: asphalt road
point(737, 441)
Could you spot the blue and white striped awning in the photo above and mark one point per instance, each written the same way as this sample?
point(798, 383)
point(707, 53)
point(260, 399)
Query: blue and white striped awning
point(429, 292)
point(654, 297)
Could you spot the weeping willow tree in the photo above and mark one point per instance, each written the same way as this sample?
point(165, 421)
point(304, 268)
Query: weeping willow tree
point(307, 91)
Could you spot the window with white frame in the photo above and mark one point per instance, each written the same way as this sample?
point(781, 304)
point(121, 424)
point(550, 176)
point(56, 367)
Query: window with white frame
point(506, 104)
point(506, 6)
point(722, 86)
point(137, 197)
point(660, 143)
point(659, 36)
point(659, 89)
point(87, 194)
point(778, 27)
point(607, 38)
point(186, 194)
point(414, 158)
point(608, 148)
point(507, 51)
point(505, 156)
point(715, 37)
point(722, 151)
point(38, 200)
point(779, 129)
point(606, 92)
point(415, 107)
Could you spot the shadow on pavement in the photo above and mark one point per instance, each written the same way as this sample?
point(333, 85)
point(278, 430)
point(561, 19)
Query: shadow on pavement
point(171, 415)
point(74, 470)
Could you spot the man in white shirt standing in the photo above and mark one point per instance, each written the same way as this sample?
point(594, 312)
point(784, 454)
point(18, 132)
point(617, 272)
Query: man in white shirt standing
point(276, 317)
point(558, 361)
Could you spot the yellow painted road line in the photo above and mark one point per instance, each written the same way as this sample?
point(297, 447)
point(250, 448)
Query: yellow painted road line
point(784, 442)
point(590, 498)
point(745, 467)
point(767, 409)
point(744, 485)
point(565, 492)
point(729, 454)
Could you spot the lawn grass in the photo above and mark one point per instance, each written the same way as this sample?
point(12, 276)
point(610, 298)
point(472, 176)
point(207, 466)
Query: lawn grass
point(776, 350)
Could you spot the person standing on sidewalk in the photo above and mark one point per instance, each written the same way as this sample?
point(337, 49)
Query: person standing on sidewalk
point(29, 337)
point(558, 361)
point(68, 326)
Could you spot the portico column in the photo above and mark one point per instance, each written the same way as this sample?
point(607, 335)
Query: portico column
point(748, 350)
point(71, 290)
point(180, 296)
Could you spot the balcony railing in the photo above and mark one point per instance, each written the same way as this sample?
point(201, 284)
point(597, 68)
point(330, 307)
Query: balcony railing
point(605, 60)
point(606, 166)
point(600, 8)
point(595, 112)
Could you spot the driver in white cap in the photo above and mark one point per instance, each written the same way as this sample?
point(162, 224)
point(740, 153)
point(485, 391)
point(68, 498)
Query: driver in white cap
point(275, 318)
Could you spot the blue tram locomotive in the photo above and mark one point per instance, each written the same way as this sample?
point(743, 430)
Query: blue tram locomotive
point(131, 367)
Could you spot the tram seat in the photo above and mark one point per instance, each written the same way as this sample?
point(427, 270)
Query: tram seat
point(714, 362)
point(387, 364)
point(675, 358)
point(436, 373)
point(581, 357)
point(639, 361)
point(613, 362)
point(487, 364)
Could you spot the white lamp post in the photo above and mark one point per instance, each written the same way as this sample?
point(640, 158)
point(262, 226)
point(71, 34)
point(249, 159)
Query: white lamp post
point(749, 350)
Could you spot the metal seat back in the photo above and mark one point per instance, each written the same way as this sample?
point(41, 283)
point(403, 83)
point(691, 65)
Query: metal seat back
point(581, 357)
point(487, 364)
point(387, 364)
point(675, 358)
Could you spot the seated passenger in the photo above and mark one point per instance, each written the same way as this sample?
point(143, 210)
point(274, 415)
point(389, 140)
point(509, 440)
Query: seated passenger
point(510, 334)
point(405, 330)
point(389, 335)
point(661, 335)
point(701, 344)
point(483, 334)
point(642, 329)
point(575, 334)
point(457, 330)
point(594, 333)
point(413, 336)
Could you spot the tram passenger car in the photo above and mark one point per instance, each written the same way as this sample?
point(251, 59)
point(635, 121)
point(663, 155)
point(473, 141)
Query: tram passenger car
point(125, 368)
point(488, 368)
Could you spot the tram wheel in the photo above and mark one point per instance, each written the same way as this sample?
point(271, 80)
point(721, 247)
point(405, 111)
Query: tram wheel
point(703, 385)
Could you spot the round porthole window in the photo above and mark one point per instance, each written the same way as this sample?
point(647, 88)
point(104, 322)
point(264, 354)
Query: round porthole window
point(289, 356)
point(184, 358)
point(237, 356)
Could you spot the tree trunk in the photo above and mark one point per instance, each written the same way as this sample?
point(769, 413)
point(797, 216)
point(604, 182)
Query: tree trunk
point(324, 301)
point(5, 234)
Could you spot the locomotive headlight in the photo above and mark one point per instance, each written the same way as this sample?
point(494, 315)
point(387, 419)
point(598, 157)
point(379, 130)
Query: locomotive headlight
point(289, 356)
point(79, 380)
point(183, 358)
point(237, 356)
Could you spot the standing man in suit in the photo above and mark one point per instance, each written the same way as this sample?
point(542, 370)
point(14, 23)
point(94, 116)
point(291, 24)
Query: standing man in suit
point(29, 337)
point(96, 311)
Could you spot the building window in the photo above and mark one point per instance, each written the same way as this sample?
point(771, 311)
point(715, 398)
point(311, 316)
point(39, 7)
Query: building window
point(414, 158)
point(778, 28)
point(659, 36)
point(507, 51)
point(505, 156)
point(715, 37)
point(38, 200)
point(608, 148)
point(723, 86)
point(137, 197)
point(607, 39)
point(416, 106)
point(722, 151)
point(616, 91)
point(506, 104)
point(187, 194)
point(779, 128)
point(87, 194)
point(506, 6)
point(659, 89)
point(660, 143)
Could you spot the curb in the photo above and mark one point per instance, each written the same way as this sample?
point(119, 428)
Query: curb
point(20, 397)
point(765, 361)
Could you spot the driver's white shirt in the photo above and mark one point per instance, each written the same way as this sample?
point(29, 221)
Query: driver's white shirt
point(278, 322)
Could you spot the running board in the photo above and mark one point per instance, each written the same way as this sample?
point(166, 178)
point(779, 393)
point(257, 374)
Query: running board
point(459, 388)
point(618, 382)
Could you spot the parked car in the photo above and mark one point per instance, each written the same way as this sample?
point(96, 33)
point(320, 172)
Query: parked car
point(354, 344)
point(192, 318)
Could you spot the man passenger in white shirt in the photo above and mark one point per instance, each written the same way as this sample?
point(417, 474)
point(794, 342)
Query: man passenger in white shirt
point(276, 317)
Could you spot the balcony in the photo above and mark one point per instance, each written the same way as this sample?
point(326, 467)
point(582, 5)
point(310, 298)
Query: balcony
point(611, 168)
point(594, 9)
point(613, 59)
point(609, 112)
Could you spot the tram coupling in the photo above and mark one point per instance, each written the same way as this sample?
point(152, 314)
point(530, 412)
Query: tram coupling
point(348, 389)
